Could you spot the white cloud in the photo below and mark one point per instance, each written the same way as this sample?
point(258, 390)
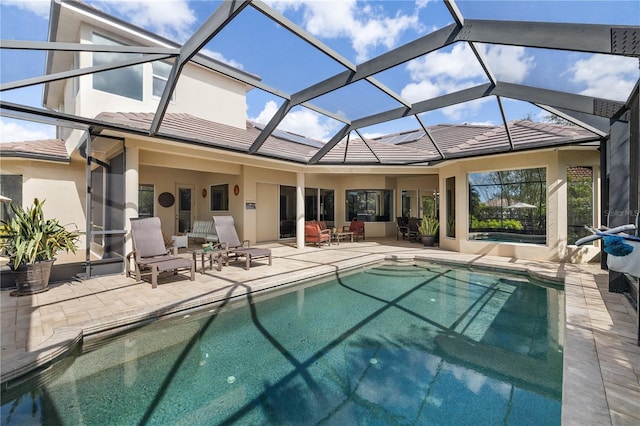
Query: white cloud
point(299, 121)
point(465, 110)
point(442, 72)
point(173, 19)
point(365, 27)
point(609, 77)
point(16, 131)
point(220, 57)
point(170, 18)
point(508, 63)
point(458, 64)
point(39, 7)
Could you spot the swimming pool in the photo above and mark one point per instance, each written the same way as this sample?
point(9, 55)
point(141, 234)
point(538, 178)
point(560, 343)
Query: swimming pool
point(393, 344)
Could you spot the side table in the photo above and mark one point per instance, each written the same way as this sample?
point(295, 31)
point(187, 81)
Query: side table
point(219, 255)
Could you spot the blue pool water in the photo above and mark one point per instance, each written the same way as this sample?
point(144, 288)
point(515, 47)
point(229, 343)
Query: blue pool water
point(394, 344)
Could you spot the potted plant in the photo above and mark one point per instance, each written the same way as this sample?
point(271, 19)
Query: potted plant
point(429, 230)
point(31, 242)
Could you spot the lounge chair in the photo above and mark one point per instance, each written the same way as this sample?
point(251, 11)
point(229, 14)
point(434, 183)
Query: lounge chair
point(357, 227)
point(313, 234)
point(150, 253)
point(228, 236)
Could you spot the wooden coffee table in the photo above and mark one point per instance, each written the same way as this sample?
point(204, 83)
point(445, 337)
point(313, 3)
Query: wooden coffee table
point(337, 236)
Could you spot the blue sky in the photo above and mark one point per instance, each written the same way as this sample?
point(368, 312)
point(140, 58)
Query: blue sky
point(358, 31)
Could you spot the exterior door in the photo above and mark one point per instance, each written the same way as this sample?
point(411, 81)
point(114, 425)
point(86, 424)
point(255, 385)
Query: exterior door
point(185, 207)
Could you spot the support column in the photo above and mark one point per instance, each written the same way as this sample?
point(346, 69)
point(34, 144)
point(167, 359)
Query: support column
point(132, 180)
point(300, 210)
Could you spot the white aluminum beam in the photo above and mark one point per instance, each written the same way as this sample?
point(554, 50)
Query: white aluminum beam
point(85, 47)
point(83, 71)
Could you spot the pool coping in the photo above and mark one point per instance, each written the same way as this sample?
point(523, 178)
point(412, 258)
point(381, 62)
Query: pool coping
point(584, 398)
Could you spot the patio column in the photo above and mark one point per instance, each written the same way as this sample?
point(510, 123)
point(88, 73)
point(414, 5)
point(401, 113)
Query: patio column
point(132, 163)
point(300, 210)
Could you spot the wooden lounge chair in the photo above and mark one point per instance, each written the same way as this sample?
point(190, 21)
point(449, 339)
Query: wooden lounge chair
point(357, 227)
point(150, 254)
point(227, 235)
point(313, 234)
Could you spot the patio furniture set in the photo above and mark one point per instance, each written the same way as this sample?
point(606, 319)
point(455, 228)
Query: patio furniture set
point(151, 256)
point(317, 232)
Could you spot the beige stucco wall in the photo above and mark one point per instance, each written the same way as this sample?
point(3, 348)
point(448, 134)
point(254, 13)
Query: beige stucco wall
point(64, 195)
point(199, 92)
point(555, 162)
point(166, 166)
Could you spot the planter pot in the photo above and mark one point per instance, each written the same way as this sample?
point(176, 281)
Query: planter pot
point(32, 278)
point(429, 240)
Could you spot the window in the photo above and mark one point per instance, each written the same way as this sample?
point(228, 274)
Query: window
point(508, 206)
point(430, 204)
point(579, 202)
point(369, 205)
point(406, 203)
point(126, 81)
point(319, 205)
point(161, 71)
point(450, 200)
point(146, 195)
point(11, 186)
point(288, 206)
point(219, 197)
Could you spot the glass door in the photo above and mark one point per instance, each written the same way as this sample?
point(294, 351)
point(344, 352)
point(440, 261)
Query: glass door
point(287, 211)
point(184, 208)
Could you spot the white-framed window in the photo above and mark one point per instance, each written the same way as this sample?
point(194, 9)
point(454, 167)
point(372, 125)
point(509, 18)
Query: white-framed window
point(161, 71)
point(508, 206)
point(219, 197)
point(127, 82)
point(369, 205)
point(146, 197)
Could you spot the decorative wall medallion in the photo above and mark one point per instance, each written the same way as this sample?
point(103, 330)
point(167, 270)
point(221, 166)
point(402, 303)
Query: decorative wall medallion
point(236, 190)
point(166, 199)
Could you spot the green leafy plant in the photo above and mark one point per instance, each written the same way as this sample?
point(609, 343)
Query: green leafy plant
point(28, 237)
point(429, 225)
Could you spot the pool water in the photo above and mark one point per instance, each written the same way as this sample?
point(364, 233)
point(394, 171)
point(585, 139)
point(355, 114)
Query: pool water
point(394, 344)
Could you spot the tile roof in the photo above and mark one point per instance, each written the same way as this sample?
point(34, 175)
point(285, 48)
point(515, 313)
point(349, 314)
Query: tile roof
point(193, 129)
point(46, 149)
point(454, 141)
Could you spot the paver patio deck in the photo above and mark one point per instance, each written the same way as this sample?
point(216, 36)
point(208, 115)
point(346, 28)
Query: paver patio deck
point(601, 382)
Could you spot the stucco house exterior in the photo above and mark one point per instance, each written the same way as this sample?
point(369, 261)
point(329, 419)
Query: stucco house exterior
point(200, 163)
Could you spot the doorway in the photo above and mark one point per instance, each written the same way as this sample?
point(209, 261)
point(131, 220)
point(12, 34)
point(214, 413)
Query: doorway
point(184, 207)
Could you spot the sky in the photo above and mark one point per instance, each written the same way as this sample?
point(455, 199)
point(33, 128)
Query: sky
point(358, 31)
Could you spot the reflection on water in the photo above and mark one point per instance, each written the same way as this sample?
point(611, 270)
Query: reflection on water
point(396, 344)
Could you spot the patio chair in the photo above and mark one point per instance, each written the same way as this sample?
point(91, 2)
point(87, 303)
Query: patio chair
point(402, 227)
point(150, 253)
point(313, 234)
point(357, 227)
point(412, 230)
point(228, 236)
